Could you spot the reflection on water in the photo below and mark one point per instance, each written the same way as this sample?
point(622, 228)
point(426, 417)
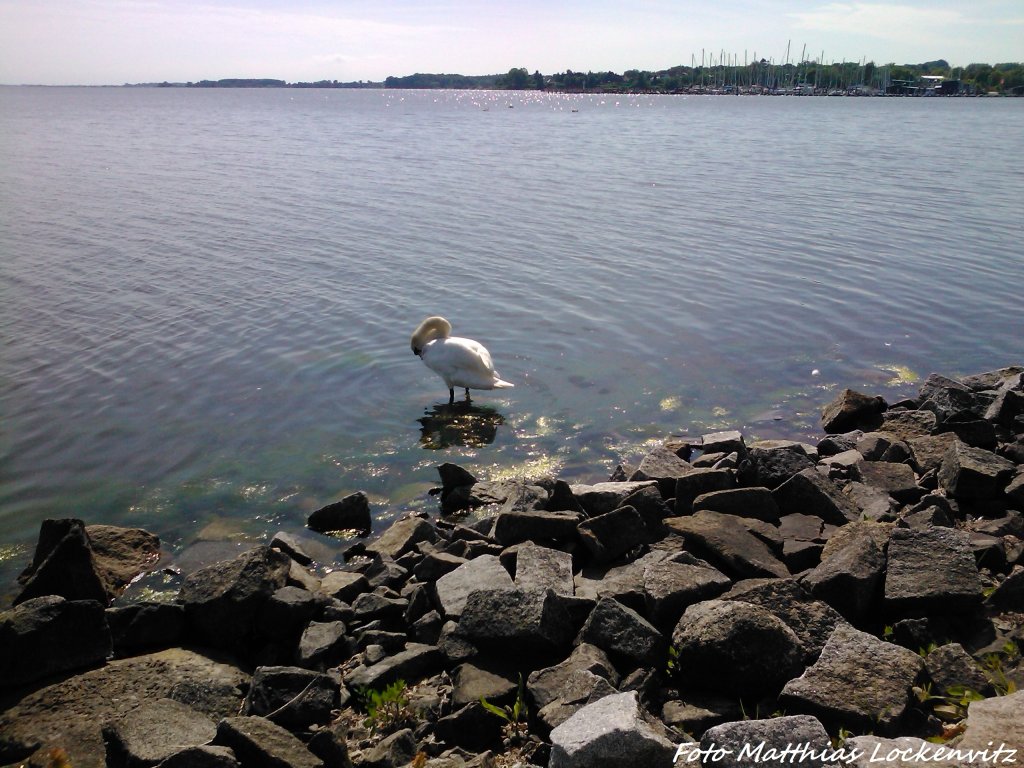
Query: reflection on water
point(461, 424)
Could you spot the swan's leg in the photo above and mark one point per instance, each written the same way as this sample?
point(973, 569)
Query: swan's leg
point(451, 396)
point(467, 395)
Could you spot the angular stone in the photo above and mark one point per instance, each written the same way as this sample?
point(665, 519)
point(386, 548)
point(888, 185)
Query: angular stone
point(976, 433)
point(771, 467)
point(872, 503)
point(598, 498)
point(996, 379)
point(121, 554)
point(543, 568)
point(291, 696)
point(285, 613)
point(736, 647)
point(46, 635)
point(811, 620)
point(757, 503)
point(897, 480)
point(974, 474)
point(63, 565)
point(774, 736)
point(201, 757)
point(379, 605)
point(801, 527)
point(849, 578)
point(484, 572)
point(291, 546)
point(950, 665)
point(728, 545)
point(514, 619)
point(931, 571)
point(810, 493)
point(858, 680)
point(147, 625)
point(906, 425)
point(878, 532)
point(470, 682)
point(849, 410)
point(396, 749)
point(698, 482)
point(1008, 405)
point(724, 442)
point(259, 742)
point(993, 723)
point(516, 527)
point(222, 600)
point(663, 466)
point(928, 451)
point(622, 632)
point(580, 688)
point(352, 513)
point(612, 534)
point(344, 585)
point(155, 731)
point(560, 683)
point(1009, 595)
point(434, 565)
point(402, 535)
point(322, 645)
point(413, 664)
point(945, 397)
point(611, 732)
point(671, 586)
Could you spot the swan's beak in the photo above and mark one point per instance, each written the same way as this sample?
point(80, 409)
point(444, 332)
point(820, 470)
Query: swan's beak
point(416, 351)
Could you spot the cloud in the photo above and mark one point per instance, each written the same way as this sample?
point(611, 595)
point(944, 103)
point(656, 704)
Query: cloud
point(886, 22)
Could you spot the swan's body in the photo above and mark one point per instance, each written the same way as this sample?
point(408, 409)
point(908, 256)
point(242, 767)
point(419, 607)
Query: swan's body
point(460, 362)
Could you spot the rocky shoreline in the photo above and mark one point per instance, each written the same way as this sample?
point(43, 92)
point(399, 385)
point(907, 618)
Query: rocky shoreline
point(859, 601)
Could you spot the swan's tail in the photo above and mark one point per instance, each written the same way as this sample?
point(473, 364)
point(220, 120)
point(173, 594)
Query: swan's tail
point(501, 384)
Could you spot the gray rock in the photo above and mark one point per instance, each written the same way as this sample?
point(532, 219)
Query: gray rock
point(830, 445)
point(413, 664)
point(652, 509)
point(727, 544)
point(46, 635)
point(434, 565)
point(472, 728)
point(976, 433)
point(260, 743)
point(154, 731)
point(392, 751)
point(928, 451)
point(285, 612)
point(1009, 594)
point(352, 513)
point(471, 681)
point(579, 688)
point(63, 565)
point(612, 534)
point(598, 498)
point(849, 410)
point(664, 466)
point(859, 681)
point(724, 442)
point(145, 625)
point(291, 696)
point(945, 397)
point(993, 379)
point(322, 645)
point(670, 586)
point(551, 684)
point(906, 425)
point(1007, 406)
point(622, 632)
point(484, 572)
point(543, 568)
point(849, 578)
point(222, 600)
point(755, 742)
point(330, 744)
point(994, 723)
point(516, 527)
point(872, 503)
point(757, 503)
point(609, 733)
point(898, 480)
point(206, 756)
point(344, 585)
point(810, 493)
point(801, 527)
point(770, 467)
point(812, 620)
point(700, 481)
point(402, 535)
point(736, 647)
point(1015, 490)
point(974, 474)
point(514, 619)
point(950, 665)
point(291, 546)
point(931, 571)
point(379, 605)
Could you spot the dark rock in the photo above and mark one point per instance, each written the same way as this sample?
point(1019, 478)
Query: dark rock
point(484, 572)
point(222, 600)
point(63, 565)
point(928, 451)
point(262, 744)
point(664, 466)
point(728, 545)
point(1015, 491)
point(812, 620)
point(770, 468)
point(931, 571)
point(205, 756)
point(145, 625)
point(402, 535)
point(775, 736)
point(974, 432)
point(670, 586)
point(471, 727)
point(906, 425)
point(121, 554)
point(880, 446)
point(599, 498)
point(897, 480)
point(849, 410)
point(434, 565)
point(698, 482)
point(724, 442)
point(155, 731)
point(974, 474)
point(929, 517)
point(47, 635)
point(1008, 405)
point(470, 682)
point(580, 688)
point(560, 691)
point(992, 379)
point(849, 577)
point(1009, 594)
point(801, 555)
point(291, 696)
point(830, 445)
point(543, 568)
point(291, 546)
point(698, 713)
point(736, 647)
point(427, 628)
point(352, 513)
point(989, 551)
point(757, 503)
point(950, 665)
point(285, 612)
point(331, 746)
point(516, 527)
point(413, 664)
point(388, 642)
point(344, 585)
point(809, 493)
point(454, 476)
point(514, 619)
point(379, 605)
point(392, 751)
point(652, 509)
point(612, 731)
point(624, 633)
point(612, 534)
point(945, 397)
point(858, 680)
point(801, 527)
point(322, 645)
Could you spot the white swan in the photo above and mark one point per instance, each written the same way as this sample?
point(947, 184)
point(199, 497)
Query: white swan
point(460, 362)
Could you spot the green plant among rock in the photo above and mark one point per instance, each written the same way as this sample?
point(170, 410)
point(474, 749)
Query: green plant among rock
point(516, 728)
point(388, 710)
point(995, 665)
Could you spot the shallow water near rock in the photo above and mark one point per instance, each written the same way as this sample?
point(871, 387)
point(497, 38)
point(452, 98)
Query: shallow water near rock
point(208, 295)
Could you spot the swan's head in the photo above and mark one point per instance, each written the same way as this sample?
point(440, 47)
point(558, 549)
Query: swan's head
point(430, 329)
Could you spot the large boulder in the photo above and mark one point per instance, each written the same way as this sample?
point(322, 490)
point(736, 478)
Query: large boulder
point(291, 696)
point(402, 535)
point(737, 647)
point(664, 466)
point(351, 513)
point(543, 568)
point(931, 570)
point(757, 503)
point(849, 410)
point(223, 600)
point(701, 481)
point(259, 742)
point(974, 474)
point(155, 731)
point(609, 733)
point(810, 493)
point(47, 635)
point(850, 577)
point(724, 542)
point(483, 572)
point(768, 742)
point(413, 664)
point(624, 633)
point(858, 681)
point(560, 691)
point(598, 498)
point(673, 584)
point(612, 534)
point(524, 621)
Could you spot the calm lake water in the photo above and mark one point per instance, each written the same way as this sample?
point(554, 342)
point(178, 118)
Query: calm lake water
point(208, 294)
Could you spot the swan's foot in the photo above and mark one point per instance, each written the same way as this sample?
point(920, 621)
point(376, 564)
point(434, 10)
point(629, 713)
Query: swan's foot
point(451, 396)
point(467, 395)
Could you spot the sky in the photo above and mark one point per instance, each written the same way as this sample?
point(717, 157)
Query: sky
point(110, 42)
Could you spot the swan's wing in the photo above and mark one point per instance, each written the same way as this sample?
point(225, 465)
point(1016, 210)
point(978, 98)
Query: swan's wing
point(461, 362)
